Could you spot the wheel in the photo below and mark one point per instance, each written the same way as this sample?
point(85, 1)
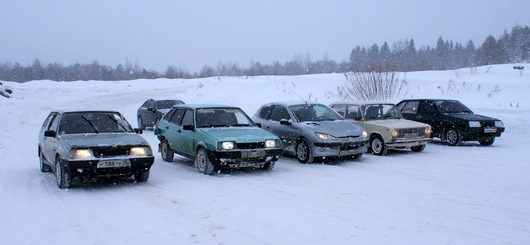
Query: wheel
point(62, 175)
point(166, 152)
point(141, 124)
point(44, 167)
point(487, 142)
point(303, 152)
point(453, 137)
point(357, 156)
point(268, 165)
point(203, 163)
point(418, 148)
point(378, 146)
point(142, 176)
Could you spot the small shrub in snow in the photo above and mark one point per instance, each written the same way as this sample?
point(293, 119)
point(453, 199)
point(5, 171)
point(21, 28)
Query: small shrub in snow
point(372, 86)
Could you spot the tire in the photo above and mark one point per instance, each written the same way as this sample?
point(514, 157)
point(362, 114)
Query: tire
point(418, 148)
point(141, 123)
point(452, 137)
point(142, 176)
point(269, 165)
point(487, 142)
point(166, 152)
point(303, 152)
point(44, 167)
point(378, 146)
point(203, 163)
point(62, 175)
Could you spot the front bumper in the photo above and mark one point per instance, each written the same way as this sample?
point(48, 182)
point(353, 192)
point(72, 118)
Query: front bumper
point(240, 158)
point(88, 169)
point(480, 133)
point(340, 147)
point(407, 143)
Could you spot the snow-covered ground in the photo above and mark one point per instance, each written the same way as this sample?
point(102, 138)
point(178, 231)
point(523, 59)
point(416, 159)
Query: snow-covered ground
point(445, 195)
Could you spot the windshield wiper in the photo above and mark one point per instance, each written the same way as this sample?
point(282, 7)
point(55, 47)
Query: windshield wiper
point(217, 126)
point(241, 125)
point(118, 123)
point(91, 124)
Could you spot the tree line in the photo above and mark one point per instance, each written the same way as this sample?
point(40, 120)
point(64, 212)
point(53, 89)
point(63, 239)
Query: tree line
point(510, 47)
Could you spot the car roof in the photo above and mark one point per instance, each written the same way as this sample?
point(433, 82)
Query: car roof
point(200, 106)
point(291, 103)
point(429, 100)
point(361, 103)
point(84, 111)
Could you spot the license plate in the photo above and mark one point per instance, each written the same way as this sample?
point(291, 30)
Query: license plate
point(411, 135)
point(490, 130)
point(252, 154)
point(114, 163)
point(347, 153)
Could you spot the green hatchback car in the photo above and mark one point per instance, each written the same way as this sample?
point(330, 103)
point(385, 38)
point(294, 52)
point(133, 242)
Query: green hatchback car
point(217, 137)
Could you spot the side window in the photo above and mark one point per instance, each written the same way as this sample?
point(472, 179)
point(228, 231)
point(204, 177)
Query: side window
point(169, 114)
point(188, 118)
point(55, 123)
point(265, 112)
point(353, 112)
point(145, 103)
point(341, 109)
point(427, 108)
point(47, 121)
point(410, 107)
point(279, 113)
point(176, 118)
point(150, 104)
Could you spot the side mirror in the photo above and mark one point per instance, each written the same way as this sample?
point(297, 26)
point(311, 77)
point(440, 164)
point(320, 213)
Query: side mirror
point(151, 109)
point(285, 122)
point(187, 127)
point(138, 131)
point(258, 124)
point(50, 133)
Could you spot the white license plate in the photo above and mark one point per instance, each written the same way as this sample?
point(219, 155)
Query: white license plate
point(411, 135)
point(114, 163)
point(252, 154)
point(490, 130)
point(347, 153)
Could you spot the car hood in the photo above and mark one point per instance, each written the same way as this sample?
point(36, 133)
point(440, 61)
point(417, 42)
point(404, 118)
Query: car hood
point(397, 123)
point(239, 134)
point(337, 128)
point(472, 117)
point(102, 139)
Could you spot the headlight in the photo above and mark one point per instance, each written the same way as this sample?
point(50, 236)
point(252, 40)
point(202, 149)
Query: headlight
point(324, 136)
point(270, 143)
point(140, 151)
point(364, 134)
point(474, 124)
point(428, 131)
point(394, 133)
point(227, 145)
point(499, 124)
point(82, 153)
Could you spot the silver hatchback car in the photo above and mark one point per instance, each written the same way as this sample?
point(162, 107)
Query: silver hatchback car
point(310, 130)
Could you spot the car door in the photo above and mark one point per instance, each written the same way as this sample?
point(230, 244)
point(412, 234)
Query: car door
point(409, 109)
point(286, 132)
point(186, 137)
point(174, 128)
point(428, 113)
point(50, 143)
point(263, 116)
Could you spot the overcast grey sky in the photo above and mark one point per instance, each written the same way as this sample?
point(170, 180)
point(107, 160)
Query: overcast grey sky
point(192, 33)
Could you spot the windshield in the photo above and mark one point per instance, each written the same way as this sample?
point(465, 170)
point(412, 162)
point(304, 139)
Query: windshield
point(93, 122)
point(314, 113)
point(452, 106)
point(167, 104)
point(381, 112)
point(222, 117)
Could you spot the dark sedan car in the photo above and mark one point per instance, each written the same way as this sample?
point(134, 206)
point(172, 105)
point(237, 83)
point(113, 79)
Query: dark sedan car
point(452, 121)
point(151, 111)
point(85, 145)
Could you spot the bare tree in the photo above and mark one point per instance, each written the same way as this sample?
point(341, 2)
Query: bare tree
point(372, 86)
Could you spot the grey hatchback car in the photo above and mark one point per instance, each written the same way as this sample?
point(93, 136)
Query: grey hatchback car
point(310, 130)
point(85, 145)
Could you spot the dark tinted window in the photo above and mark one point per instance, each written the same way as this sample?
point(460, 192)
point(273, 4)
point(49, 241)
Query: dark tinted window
point(145, 103)
point(410, 107)
point(452, 106)
point(353, 112)
point(314, 112)
point(222, 117)
point(176, 118)
point(188, 118)
point(169, 114)
point(93, 122)
point(427, 108)
point(265, 112)
point(279, 113)
point(167, 104)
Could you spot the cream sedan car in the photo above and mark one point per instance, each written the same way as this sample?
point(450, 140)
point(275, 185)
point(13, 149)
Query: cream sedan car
point(386, 127)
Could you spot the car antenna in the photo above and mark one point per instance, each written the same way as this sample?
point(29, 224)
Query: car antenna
point(300, 97)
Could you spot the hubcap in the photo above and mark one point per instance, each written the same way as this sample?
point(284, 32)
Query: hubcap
point(164, 150)
point(58, 173)
point(301, 151)
point(377, 145)
point(201, 161)
point(451, 136)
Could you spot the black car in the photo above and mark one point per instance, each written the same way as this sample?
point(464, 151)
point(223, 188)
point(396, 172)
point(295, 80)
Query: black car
point(86, 145)
point(452, 121)
point(151, 111)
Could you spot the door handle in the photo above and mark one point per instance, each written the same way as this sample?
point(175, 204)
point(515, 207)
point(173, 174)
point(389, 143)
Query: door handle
point(166, 127)
point(179, 130)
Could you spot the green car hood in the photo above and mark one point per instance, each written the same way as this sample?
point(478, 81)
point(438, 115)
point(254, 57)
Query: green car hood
point(239, 134)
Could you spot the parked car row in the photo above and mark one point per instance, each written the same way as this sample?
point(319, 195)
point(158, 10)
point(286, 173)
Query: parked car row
point(86, 145)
